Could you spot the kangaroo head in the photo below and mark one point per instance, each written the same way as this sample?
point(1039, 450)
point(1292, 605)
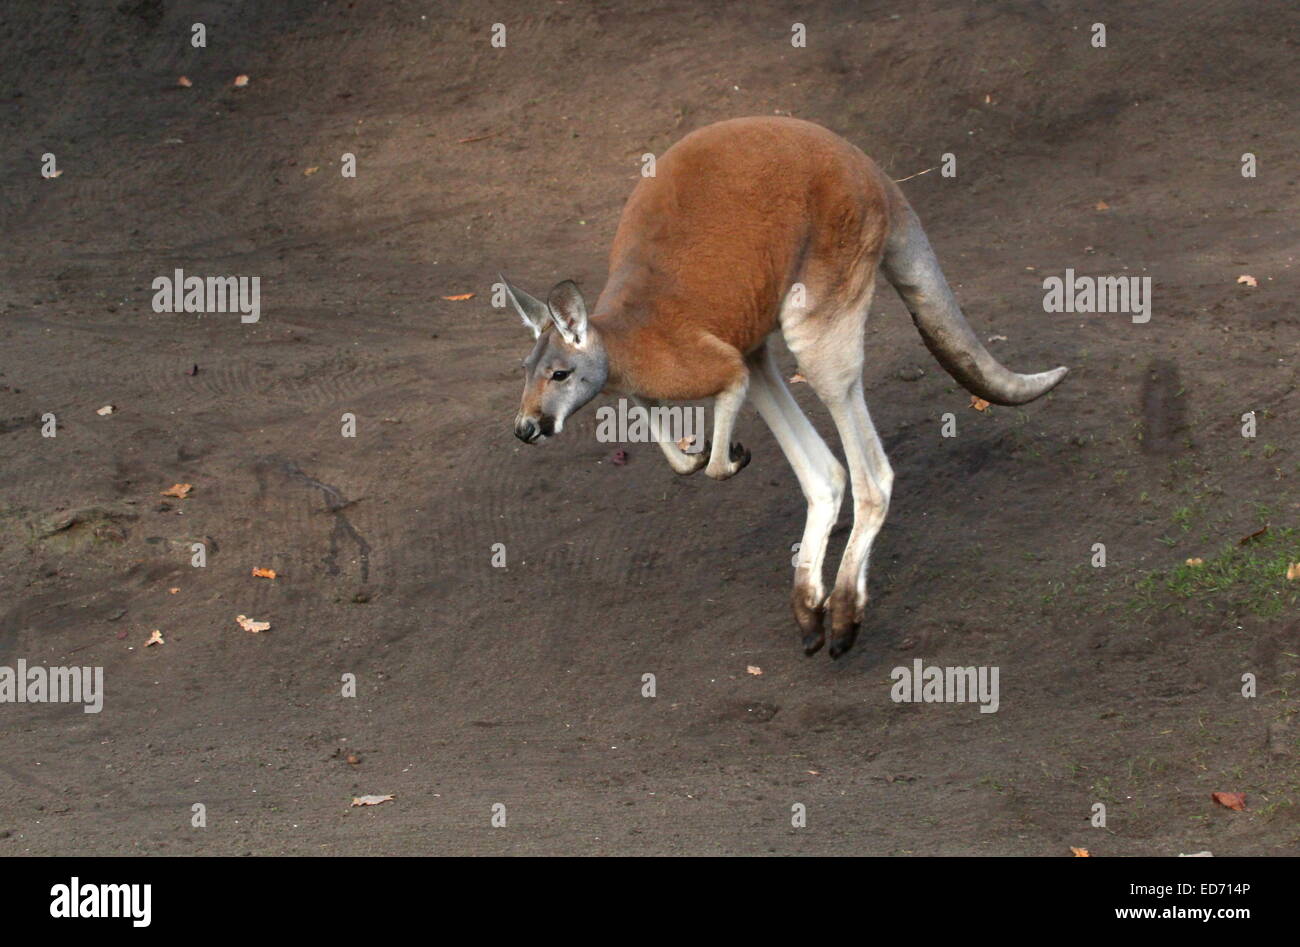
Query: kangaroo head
point(566, 368)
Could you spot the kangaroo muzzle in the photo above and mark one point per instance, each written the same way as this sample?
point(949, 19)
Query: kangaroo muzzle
point(532, 430)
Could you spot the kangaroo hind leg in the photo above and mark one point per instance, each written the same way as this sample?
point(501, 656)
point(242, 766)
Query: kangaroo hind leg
point(831, 360)
point(822, 479)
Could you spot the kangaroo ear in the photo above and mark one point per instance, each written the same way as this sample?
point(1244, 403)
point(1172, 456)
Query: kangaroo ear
point(533, 311)
point(569, 312)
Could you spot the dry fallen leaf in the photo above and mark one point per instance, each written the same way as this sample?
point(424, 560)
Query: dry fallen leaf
point(1080, 852)
point(797, 378)
point(686, 443)
point(1293, 571)
point(178, 490)
point(105, 410)
point(264, 573)
point(1196, 562)
point(248, 624)
point(458, 297)
point(978, 403)
point(56, 172)
point(1253, 536)
point(184, 81)
point(241, 81)
point(1102, 205)
point(155, 638)
point(754, 669)
point(308, 172)
point(1247, 279)
point(172, 591)
point(1233, 800)
point(370, 800)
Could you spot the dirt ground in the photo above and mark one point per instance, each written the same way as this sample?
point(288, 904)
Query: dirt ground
point(522, 685)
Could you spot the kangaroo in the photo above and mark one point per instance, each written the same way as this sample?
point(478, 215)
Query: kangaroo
point(749, 226)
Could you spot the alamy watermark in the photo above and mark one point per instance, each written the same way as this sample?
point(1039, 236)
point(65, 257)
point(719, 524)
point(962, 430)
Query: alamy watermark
point(946, 685)
point(54, 685)
point(637, 424)
point(75, 899)
point(1127, 294)
point(181, 293)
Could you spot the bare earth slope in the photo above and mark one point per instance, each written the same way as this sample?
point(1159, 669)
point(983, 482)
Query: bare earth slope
point(523, 686)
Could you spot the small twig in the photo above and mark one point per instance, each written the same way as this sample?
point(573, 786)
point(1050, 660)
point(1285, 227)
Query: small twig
point(466, 141)
point(917, 175)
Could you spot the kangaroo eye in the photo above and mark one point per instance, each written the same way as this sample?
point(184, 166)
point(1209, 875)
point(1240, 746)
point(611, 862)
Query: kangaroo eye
point(560, 375)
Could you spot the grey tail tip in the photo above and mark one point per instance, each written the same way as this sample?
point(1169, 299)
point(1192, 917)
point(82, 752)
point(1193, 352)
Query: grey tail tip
point(1050, 379)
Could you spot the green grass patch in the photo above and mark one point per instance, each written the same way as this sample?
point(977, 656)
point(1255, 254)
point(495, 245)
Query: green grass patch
point(1241, 578)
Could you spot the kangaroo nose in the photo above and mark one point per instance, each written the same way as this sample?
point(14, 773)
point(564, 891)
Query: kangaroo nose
point(526, 429)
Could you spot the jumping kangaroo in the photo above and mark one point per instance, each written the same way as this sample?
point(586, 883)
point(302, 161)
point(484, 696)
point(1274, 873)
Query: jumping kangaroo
point(748, 226)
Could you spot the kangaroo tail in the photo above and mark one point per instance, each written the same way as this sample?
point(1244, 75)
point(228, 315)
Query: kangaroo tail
point(910, 264)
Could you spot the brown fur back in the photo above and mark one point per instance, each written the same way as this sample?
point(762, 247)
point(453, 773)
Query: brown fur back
point(707, 249)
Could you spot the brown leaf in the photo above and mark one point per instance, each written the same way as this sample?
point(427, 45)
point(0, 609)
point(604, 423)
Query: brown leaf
point(1102, 205)
point(686, 443)
point(184, 81)
point(1080, 852)
point(458, 297)
point(1195, 562)
point(308, 172)
point(255, 627)
point(754, 669)
point(178, 490)
point(104, 411)
point(797, 379)
point(155, 638)
point(1253, 536)
point(1248, 280)
point(241, 81)
point(978, 403)
point(1293, 571)
point(264, 573)
point(1233, 800)
point(370, 800)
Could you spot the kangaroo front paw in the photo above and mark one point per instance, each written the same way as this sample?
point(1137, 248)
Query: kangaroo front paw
point(688, 464)
point(737, 459)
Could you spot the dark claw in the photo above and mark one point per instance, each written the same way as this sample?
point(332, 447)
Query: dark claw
point(738, 454)
point(809, 620)
point(841, 643)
